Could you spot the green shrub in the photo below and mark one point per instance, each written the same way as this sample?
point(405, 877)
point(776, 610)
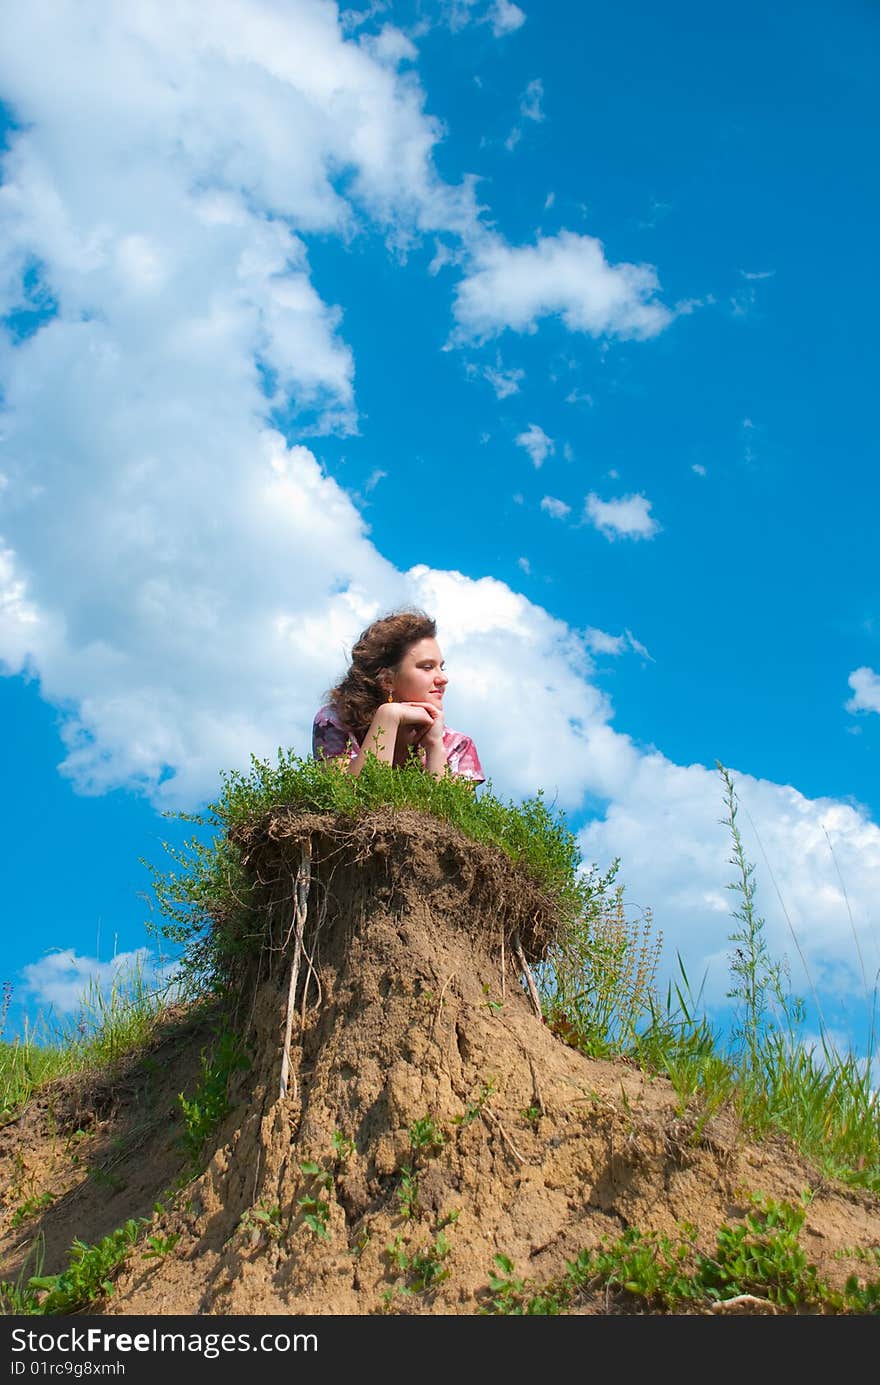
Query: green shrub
point(211, 908)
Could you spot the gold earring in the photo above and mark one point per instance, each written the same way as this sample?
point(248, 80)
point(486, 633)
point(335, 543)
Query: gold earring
point(391, 697)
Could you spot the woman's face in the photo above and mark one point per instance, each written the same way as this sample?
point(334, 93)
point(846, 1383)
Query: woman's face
point(419, 676)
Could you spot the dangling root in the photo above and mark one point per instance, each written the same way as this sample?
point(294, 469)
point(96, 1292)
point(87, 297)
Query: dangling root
point(527, 973)
point(303, 880)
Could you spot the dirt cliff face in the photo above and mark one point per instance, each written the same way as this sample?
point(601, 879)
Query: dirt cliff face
point(429, 1121)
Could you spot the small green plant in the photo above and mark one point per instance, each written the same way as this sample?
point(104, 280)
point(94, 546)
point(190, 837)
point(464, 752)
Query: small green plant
point(474, 1107)
point(422, 1268)
point(758, 979)
point(507, 1289)
point(532, 1115)
point(29, 1208)
point(160, 1246)
point(425, 1137)
point(19, 1298)
point(870, 1254)
point(343, 1147)
point(263, 1219)
point(597, 982)
point(87, 1278)
point(408, 1191)
point(493, 1005)
point(316, 1207)
point(760, 1255)
point(204, 1111)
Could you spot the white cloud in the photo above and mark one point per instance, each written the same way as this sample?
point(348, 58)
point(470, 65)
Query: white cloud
point(565, 275)
point(65, 982)
point(664, 822)
point(600, 642)
point(504, 382)
point(525, 565)
point(627, 517)
point(530, 101)
point(865, 684)
point(505, 17)
point(536, 443)
point(637, 647)
point(698, 469)
point(529, 109)
point(390, 46)
point(557, 508)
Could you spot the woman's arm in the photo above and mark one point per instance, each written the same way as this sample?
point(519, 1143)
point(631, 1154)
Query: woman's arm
point(436, 759)
point(381, 737)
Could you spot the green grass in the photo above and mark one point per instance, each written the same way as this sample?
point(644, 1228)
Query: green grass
point(598, 994)
point(87, 1278)
point(109, 1026)
point(761, 1256)
point(209, 1105)
point(211, 908)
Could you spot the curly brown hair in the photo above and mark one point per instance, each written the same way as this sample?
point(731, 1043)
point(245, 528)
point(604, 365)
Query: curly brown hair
point(375, 656)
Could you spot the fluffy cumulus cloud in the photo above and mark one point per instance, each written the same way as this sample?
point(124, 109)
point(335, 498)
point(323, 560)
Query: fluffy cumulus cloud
point(65, 982)
point(817, 871)
point(530, 108)
point(536, 442)
point(557, 508)
point(600, 642)
point(628, 517)
point(566, 275)
point(505, 17)
point(155, 192)
point(865, 684)
point(503, 382)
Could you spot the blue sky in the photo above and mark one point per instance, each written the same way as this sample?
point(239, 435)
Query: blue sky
point(557, 320)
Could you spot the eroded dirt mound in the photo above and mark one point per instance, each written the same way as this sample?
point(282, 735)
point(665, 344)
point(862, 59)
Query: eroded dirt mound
point(430, 1122)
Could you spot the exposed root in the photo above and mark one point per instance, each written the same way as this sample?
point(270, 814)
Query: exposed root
point(743, 1303)
point(439, 1008)
point(491, 1116)
point(303, 877)
point(527, 973)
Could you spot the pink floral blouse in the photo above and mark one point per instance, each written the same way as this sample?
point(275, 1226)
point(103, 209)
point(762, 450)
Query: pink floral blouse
point(330, 738)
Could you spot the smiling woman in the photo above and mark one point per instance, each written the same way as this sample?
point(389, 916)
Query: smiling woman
point(391, 701)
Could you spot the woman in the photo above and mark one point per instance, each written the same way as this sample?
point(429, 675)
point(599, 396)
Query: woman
point(391, 699)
